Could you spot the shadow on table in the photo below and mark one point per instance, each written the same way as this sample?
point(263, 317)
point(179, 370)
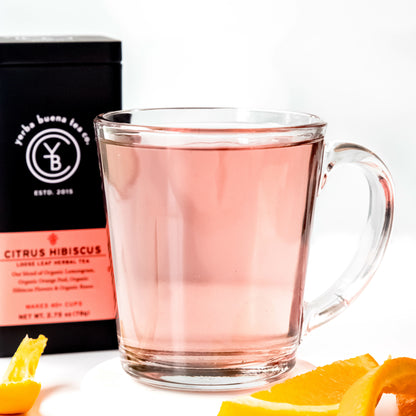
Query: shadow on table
point(44, 393)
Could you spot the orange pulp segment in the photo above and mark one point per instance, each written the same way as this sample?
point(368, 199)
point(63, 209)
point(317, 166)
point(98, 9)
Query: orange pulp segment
point(397, 376)
point(18, 390)
point(25, 360)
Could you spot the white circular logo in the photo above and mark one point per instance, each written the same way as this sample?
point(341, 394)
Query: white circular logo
point(53, 155)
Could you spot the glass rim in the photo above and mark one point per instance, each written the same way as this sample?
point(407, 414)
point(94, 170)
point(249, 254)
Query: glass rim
point(103, 119)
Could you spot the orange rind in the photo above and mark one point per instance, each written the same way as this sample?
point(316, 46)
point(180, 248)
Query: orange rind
point(397, 376)
point(18, 396)
point(18, 390)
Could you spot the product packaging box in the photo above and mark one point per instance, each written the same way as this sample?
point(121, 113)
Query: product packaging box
point(55, 268)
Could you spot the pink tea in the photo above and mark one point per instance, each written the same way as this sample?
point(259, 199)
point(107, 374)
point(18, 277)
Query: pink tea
point(209, 248)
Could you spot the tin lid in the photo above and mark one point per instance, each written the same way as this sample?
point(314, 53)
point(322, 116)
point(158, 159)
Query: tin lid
point(23, 50)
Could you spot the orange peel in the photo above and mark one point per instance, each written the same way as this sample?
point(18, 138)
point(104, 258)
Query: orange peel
point(397, 376)
point(406, 404)
point(18, 390)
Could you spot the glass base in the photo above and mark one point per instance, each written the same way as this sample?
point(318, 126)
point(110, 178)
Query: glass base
point(204, 371)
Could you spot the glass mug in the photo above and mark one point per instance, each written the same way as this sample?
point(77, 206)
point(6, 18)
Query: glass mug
point(209, 213)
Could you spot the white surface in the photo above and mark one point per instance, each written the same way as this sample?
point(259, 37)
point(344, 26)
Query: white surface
point(108, 381)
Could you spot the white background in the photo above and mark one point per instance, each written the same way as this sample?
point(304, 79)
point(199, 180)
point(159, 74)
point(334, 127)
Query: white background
point(351, 62)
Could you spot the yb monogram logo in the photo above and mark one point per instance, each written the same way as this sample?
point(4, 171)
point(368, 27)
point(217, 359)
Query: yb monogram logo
point(53, 155)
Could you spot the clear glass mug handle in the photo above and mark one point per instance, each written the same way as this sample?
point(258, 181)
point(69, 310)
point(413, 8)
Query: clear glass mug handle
point(373, 239)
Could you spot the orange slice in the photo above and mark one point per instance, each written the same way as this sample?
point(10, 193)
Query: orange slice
point(324, 386)
point(18, 390)
point(397, 376)
point(317, 392)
